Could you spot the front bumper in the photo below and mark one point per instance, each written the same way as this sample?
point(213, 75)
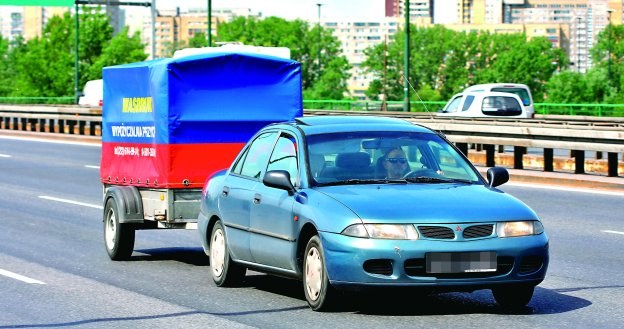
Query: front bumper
point(354, 262)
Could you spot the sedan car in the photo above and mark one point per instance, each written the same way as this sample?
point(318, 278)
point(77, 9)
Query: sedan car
point(485, 104)
point(313, 200)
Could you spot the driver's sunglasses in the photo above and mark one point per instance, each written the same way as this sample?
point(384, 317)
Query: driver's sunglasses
point(397, 160)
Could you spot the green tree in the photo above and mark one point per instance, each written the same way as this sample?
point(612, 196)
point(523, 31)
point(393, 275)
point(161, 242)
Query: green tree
point(610, 41)
point(327, 82)
point(198, 40)
point(445, 61)
point(45, 66)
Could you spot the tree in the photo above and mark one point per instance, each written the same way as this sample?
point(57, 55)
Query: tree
point(45, 66)
point(303, 43)
point(445, 61)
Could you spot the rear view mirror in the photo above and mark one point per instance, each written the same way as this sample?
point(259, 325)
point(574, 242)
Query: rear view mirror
point(497, 176)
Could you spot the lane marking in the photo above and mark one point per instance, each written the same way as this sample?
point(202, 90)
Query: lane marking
point(92, 167)
point(612, 232)
point(5, 156)
point(566, 189)
point(96, 143)
point(70, 201)
point(20, 277)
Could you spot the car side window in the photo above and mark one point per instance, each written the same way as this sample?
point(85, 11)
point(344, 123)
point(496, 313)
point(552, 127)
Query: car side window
point(453, 105)
point(256, 158)
point(284, 156)
point(468, 102)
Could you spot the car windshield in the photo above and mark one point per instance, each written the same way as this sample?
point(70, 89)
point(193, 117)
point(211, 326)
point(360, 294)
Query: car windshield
point(376, 157)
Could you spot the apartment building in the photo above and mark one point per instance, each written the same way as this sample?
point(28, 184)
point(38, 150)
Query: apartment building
point(174, 28)
point(355, 37)
point(30, 21)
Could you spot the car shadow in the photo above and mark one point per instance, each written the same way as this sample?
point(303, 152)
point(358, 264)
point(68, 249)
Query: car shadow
point(410, 302)
point(191, 256)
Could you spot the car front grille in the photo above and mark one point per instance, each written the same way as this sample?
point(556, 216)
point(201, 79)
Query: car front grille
point(436, 232)
point(478, 231)
point(418, 267)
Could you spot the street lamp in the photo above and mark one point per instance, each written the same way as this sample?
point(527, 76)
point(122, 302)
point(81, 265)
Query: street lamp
point(319, 39)
point(609, 11)
point(209, 22)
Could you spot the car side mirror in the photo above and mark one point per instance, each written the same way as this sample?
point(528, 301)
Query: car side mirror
point(497, 176)
point(279, 179)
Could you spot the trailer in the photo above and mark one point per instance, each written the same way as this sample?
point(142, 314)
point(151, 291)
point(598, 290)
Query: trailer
point(169, 124)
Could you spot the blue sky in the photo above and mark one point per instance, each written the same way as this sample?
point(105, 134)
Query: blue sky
point(290, 9)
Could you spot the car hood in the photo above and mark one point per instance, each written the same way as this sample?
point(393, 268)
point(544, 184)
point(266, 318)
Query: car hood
point(428, 203)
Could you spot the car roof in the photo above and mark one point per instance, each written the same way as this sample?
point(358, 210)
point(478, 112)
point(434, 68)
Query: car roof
point(498, 84)
point(483, 94)
point(345, 123)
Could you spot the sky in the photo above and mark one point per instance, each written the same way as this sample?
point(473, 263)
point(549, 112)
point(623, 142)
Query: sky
point(291, 9)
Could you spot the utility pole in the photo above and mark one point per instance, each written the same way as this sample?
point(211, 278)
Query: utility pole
point(609, 11)
point(76, 73)
point(406, 105)
point(209, 23)
point(153, 13)
point(319, 39)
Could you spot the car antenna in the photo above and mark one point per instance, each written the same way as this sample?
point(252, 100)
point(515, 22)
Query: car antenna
point(420, 99)
point(423, 104)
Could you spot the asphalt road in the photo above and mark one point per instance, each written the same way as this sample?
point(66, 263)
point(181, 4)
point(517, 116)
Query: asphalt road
point(54, 271)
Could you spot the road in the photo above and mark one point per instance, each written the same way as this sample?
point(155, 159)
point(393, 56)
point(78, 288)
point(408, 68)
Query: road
point(54, 271)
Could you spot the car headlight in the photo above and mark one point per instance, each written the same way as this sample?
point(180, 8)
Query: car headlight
point(520, 228)
point(382, 231)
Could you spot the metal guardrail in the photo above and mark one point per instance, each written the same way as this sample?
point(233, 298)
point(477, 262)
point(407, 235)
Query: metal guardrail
point(577, 134)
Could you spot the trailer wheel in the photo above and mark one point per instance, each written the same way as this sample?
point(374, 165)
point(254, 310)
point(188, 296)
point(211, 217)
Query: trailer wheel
point(224, 271)
point(118, 237)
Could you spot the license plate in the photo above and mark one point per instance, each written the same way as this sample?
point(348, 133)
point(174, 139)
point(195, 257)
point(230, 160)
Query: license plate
point(461, 262)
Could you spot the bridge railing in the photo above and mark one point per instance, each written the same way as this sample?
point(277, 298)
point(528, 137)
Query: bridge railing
point(574, 133)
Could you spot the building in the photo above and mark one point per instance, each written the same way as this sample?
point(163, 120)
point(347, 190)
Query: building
point(421, 11)
point(355, 37)
point(174, 28)
point(30, 21)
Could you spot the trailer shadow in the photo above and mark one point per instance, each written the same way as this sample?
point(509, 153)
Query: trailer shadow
point(188, 255)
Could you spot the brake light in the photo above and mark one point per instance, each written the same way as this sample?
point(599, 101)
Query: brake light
point(100, 102)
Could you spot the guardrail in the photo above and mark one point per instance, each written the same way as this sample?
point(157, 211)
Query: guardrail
point(577, 134)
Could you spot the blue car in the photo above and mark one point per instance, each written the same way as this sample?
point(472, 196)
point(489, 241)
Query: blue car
point(355, 202)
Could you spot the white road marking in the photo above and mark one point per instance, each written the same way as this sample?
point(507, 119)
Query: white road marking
point(71, 201)
point(566, 189)
point(96, 143)
point(92, 167)
point(19, 277)
point(4, 156)
point(612, 232)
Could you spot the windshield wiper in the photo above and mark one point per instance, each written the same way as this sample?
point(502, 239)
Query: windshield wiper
point(425, 179)
point(364, 181)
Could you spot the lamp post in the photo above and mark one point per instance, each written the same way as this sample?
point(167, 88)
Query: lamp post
point(209, 22)
point(406, 105)
point(319, 39)
point(609, 11)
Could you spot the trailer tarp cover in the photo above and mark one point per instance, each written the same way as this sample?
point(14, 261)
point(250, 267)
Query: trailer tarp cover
point(170, 123)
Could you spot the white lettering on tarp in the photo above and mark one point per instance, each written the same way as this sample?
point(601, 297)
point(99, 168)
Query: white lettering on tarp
point(134, 151)
point(134, 131)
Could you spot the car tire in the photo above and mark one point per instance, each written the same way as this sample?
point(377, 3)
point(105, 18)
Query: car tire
point(513, 297)
point(118, 237)
point(225, 272)
point(319, 293)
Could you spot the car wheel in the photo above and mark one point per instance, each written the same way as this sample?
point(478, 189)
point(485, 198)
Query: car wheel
point(225, 272)
point(118, 237)
point(513, 297)
point(319, 293)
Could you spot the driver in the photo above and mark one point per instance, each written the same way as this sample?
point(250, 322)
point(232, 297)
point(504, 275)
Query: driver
point(395, 163)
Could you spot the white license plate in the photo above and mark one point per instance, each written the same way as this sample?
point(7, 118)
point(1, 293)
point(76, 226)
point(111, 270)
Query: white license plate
point(461, 262)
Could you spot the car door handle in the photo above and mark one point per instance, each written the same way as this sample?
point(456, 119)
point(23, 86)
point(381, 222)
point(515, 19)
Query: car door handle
point(257, 198)
point(225, 191)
